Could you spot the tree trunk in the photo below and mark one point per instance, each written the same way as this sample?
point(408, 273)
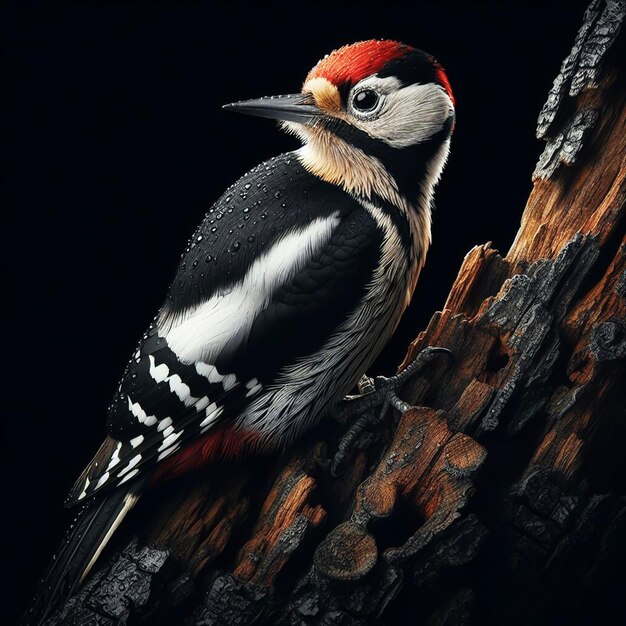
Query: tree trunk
point(498, 497)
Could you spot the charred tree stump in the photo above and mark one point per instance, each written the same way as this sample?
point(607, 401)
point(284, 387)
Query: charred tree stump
point(499, 496)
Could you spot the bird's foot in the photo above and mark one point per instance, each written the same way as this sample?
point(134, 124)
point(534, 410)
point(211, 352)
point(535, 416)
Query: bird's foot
point(376, 396)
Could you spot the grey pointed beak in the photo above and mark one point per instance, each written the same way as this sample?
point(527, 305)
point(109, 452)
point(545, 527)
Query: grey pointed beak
point(297, 107)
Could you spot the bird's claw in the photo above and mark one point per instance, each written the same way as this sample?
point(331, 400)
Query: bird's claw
point(379, 393)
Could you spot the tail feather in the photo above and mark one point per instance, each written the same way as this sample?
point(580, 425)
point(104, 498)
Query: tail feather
point(83, 544)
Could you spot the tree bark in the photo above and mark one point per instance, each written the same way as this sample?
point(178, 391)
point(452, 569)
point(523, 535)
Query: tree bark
point(498, 497)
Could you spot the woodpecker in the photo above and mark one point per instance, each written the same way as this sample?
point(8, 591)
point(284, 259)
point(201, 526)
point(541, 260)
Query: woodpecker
point(285, 294)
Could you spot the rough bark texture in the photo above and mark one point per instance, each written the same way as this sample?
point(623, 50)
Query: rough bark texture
point(499, 497)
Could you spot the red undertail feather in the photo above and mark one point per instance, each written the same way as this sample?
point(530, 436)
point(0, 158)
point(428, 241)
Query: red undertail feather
point(222, 444)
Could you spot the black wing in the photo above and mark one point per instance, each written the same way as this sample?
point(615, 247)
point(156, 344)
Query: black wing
point(163, 403)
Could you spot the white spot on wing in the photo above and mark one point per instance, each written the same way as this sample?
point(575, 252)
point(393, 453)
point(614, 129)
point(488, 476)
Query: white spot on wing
point(115, 457)
point(130, 465)
point(212, 413)
point(167, 452)
point(102, 480)
point(136, 441)
point(169, 440)
point(168, 431)
point(140, 414)
point(128, 477)
point(209, 372)
point(182, 390)
point(83, 493)
point(164, 423)
point(211, 408)
point(254, 390)
point(202, 403)
point(158, 372)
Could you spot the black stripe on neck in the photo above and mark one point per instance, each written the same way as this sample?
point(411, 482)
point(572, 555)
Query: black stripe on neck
point(407, 165)
point(398, 217)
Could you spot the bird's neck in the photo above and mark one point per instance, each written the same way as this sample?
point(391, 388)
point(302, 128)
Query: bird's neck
point(334, 160)
point(337, 162)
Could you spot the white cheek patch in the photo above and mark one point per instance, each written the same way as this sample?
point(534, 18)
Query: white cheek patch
point(410, 115)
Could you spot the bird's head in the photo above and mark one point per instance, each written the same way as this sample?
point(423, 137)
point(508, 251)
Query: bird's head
point(375, 116)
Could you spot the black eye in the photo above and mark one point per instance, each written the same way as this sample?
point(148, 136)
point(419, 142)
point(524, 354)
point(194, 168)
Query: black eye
point(365, 100)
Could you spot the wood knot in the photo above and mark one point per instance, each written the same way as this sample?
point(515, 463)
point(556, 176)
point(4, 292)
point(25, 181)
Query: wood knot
point(348, 553)
point(463, 455)
point(376, 497)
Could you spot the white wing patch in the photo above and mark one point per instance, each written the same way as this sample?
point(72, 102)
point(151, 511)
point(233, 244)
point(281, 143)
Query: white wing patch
point(202, 332)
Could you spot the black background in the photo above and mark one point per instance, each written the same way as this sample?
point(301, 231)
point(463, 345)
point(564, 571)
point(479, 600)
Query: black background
point(115, 146)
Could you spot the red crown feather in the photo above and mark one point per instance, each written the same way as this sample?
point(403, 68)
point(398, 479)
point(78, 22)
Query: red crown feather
point(350, 64)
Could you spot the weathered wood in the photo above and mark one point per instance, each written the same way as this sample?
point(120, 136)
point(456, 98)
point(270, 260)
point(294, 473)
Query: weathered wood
point(498, 500)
